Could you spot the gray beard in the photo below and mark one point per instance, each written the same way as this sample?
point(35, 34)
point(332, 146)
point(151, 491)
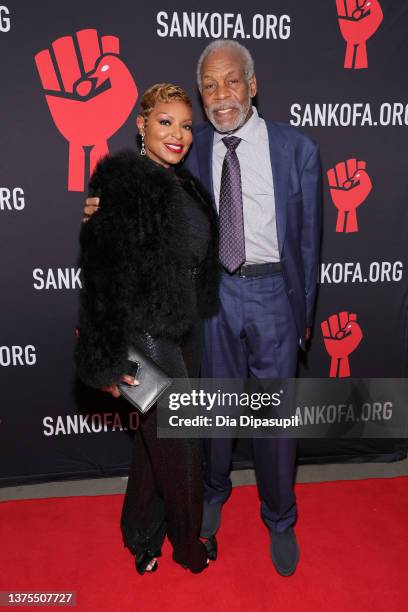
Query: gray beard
point(234, 125)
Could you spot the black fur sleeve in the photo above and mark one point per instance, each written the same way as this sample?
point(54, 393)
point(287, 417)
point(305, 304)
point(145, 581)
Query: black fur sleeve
point(101, 352)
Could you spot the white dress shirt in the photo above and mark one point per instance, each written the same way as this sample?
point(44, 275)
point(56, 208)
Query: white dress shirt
point(261, 243)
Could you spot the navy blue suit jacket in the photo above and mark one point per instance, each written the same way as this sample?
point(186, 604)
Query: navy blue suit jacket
point(297, 184)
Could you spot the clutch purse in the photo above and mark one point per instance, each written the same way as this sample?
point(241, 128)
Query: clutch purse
point(152, 381)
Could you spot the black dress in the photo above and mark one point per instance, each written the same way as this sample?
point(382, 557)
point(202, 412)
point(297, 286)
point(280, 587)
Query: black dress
point(165, 487)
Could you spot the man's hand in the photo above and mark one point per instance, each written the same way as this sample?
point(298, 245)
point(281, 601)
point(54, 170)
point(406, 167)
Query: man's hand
point(349, 186)
point(308, 333)
point(114, 389)
point(91, 206)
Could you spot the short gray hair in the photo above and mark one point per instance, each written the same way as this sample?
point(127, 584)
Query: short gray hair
point(249, 66)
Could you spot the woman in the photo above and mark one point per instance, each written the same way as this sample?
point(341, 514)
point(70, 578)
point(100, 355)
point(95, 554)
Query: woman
point(150, 275)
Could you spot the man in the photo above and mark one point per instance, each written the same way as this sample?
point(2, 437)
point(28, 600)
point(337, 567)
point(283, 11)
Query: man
point(265, 180)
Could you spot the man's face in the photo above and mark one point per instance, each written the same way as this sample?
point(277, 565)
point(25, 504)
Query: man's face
point(226, 92)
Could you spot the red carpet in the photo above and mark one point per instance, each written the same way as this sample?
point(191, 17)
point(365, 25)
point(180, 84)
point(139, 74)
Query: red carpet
point(352, 536)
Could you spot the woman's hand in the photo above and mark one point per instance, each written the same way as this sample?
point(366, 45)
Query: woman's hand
point(114, 389)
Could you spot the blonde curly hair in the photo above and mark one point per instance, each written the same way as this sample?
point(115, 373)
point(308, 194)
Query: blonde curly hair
point(162, 92)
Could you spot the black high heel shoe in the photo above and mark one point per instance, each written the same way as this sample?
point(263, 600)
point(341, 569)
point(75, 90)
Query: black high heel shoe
point(196, 572)
point(143, 560)
point(196, 561)
point(211, 547)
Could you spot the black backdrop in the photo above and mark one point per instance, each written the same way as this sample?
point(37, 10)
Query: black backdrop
point(52, 427)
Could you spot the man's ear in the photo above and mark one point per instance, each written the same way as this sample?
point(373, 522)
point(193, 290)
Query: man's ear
point(140, 122)
point(253, 87)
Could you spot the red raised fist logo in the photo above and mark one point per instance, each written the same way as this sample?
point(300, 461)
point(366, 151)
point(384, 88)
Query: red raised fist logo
point(342, 335)
point(90, 93)
point(349, 186)
point(358, 20)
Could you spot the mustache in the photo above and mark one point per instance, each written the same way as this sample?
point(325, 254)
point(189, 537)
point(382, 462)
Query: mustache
point(218, 107)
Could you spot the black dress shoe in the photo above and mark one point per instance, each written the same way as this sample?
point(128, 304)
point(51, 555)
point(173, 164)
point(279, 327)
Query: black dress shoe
point(211, 519)
point(284, 551)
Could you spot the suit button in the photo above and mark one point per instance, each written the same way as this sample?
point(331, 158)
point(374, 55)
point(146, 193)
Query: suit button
point(290, 291)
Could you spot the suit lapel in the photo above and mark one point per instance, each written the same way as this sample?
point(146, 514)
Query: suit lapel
point(204, 142)
point(280, 158)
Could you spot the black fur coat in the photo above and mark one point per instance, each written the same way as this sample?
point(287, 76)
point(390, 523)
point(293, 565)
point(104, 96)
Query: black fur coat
point(133, 264)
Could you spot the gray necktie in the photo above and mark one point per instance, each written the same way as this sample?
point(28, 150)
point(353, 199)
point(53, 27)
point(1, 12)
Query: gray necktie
point(232, 237)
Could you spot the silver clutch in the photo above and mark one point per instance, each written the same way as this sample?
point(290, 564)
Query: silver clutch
point(152, 381)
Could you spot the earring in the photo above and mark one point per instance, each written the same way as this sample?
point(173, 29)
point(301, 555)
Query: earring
point(143, 150)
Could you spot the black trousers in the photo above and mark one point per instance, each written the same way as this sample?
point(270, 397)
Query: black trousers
point(165, 488)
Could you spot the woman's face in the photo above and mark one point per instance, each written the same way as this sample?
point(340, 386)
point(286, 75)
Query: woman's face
point(167, 132)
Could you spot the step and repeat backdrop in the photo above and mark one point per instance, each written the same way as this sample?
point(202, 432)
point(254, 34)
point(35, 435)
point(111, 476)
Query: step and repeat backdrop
point(335, 70)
